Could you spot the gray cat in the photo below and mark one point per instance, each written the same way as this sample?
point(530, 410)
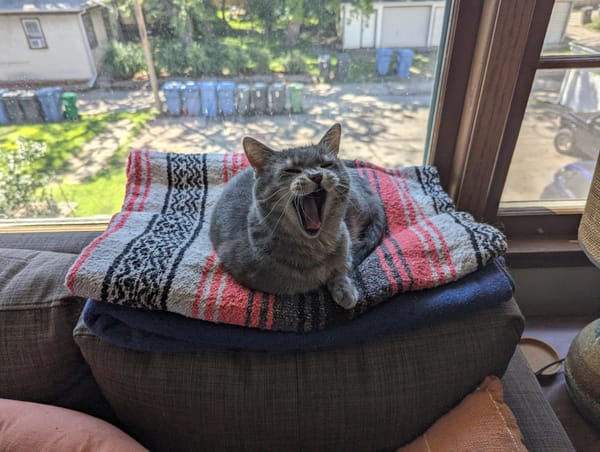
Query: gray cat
point(296, 220)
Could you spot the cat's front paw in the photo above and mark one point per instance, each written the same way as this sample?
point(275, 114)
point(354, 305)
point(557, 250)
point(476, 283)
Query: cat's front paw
point(343, 292)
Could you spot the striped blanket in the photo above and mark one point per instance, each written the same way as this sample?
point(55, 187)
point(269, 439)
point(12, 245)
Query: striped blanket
point(156, 254)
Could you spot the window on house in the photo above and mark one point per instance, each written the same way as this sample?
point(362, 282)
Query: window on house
point(88, 26)
point(34, 34)
point(107, 24)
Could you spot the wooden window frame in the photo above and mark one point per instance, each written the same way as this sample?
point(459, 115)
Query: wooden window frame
point(29, 37)
point(473, 141)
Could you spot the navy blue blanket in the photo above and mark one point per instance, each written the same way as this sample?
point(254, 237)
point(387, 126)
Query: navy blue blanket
point(161, 331)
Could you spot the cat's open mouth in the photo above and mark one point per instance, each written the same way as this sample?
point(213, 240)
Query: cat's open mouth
point(310, 210)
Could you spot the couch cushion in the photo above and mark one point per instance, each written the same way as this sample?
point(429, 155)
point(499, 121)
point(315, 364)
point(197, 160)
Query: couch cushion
point(39, 361)
point(374, 395)
point(26, 426)
point(482, 421)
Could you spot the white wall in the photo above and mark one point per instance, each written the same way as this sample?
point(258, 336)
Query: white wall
point(395, 24)
point(64, 59)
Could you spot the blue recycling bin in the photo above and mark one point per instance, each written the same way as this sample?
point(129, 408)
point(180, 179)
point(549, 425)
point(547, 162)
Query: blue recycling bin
point(226, 98)
point(50, 100)
point(172, 91)
point(209, 99)
point(383, 58)
point(405, 59)
point(3, 115)
point(190, 94)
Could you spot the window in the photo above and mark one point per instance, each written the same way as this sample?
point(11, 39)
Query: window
point(33, 33)
point(107, 24)
point(88, 26)
point(492, 53)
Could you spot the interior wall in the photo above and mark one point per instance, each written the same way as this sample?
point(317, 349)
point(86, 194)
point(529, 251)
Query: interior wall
point(557, 290)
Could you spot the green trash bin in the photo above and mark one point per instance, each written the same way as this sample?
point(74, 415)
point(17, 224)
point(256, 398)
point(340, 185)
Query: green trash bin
point(69, 101)
point(296, 91)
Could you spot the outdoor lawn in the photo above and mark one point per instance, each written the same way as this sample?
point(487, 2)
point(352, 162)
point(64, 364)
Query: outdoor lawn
point(54, 175)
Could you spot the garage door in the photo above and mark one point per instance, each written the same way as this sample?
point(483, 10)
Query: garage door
point(405, 26)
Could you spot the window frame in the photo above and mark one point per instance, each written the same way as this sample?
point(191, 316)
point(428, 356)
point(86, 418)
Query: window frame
point(492, 53)
point(90, 30)
point(473, 141)
point(30, 37)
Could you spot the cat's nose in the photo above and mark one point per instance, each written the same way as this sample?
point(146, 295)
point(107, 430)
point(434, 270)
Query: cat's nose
point(317, 178)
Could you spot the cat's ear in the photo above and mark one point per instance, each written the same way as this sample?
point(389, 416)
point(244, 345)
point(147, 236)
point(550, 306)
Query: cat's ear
point(331, 139)
point(257, 153)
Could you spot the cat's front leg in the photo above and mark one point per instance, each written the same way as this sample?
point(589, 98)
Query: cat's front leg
point(343, 291)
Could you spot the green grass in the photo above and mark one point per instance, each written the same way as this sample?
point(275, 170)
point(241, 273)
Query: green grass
point(100, 194)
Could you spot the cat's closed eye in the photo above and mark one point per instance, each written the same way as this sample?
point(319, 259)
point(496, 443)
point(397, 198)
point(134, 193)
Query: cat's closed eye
point(292, 170)
point(327, 165)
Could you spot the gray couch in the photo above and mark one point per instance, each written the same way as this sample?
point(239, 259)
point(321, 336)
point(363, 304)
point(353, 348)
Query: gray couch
point(375, 395)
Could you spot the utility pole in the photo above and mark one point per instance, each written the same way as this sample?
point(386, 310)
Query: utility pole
point(139, 18)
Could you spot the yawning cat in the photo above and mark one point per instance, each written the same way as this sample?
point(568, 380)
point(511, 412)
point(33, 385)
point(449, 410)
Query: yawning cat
point(296, 220)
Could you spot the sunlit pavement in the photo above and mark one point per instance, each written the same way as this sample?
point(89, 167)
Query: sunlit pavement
point(384, 123)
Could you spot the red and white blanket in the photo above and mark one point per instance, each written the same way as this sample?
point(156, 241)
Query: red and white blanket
point(156, 254)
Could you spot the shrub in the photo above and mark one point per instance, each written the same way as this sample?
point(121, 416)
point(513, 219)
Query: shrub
point(124, 59)
point(259, 60)
point(198, 60)
point(23, 187)
point(170, 55)
point(294, 62)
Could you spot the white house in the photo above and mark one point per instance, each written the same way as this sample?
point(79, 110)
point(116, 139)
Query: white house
point(417, 24)
point(53, 40)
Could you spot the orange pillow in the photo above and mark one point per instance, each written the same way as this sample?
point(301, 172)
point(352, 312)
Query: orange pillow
point(26, 426)
point(480, 422)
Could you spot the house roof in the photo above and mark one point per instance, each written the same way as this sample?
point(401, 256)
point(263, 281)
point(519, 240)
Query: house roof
point(45, 6)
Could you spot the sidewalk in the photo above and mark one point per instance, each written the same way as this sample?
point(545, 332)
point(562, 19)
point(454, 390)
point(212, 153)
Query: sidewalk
point(369, 114)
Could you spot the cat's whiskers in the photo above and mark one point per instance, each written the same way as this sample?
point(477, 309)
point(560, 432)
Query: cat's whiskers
point(280, 217)
point(271, 195)
point(275, 205)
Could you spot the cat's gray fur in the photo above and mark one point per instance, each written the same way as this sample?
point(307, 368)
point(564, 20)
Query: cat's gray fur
point(265, 242)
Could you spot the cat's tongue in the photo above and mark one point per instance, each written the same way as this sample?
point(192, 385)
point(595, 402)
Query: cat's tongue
point(312, 222)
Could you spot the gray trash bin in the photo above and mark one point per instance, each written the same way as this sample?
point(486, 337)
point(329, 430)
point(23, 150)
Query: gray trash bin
point(15, 114)
point(259, 98)
point(277, 98)
point(242, 99)
point(190, 99)
point(173, 95)
point(324, 66)
point(586, 15)
point(3, 115)
point(50, 101)
point(343, 66)
point(31, 107)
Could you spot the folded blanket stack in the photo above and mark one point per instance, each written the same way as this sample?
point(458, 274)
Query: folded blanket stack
point(156, 255)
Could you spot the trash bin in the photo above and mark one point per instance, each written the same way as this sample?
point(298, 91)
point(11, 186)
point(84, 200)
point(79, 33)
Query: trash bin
point(296, 91)
point(172, 92)
point(242, 96)
point(50, 100)
point(190, 99)
point(13, 108)
point(405, 59)
point(258, 98)
point(343, 66)
point(69, 101)
point(3, 115)
point(277, 98)
point(209, 98)
point(226, 98)
point(324, 66)
point(383, 58)
point(586, 15)
point(31, 107)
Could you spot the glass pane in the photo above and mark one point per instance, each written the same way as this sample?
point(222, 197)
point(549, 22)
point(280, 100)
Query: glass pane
point(559, 139)
point(573, 30)
point(292, 68)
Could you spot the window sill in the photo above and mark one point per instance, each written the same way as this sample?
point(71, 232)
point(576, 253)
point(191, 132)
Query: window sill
point(544, 252)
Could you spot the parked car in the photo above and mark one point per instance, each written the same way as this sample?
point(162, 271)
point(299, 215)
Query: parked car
point(572, 181)
point(579, 134)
